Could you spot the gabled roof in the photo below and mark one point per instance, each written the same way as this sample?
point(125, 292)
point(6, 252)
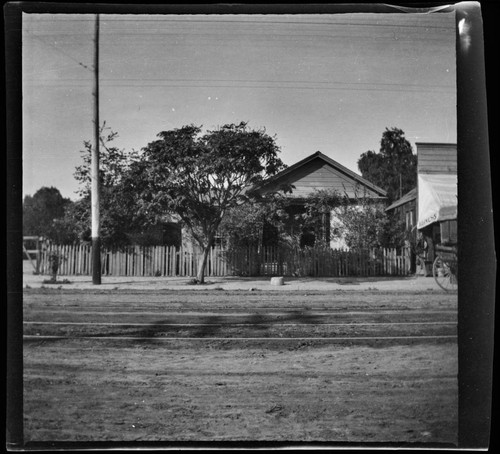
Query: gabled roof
point(408, 197)
point(339, 169)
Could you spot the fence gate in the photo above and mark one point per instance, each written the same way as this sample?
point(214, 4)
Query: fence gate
point(34, 255)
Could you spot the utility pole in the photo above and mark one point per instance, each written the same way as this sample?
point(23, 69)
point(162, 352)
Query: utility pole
point(96, 240)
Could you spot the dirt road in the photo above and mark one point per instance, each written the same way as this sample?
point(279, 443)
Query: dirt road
point(240, 366)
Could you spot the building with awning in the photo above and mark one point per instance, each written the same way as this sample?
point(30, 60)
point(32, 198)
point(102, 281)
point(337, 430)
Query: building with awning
point(437, 198)
point(434, 200)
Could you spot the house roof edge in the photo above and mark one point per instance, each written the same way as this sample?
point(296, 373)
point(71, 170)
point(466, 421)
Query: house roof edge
point(331, 162)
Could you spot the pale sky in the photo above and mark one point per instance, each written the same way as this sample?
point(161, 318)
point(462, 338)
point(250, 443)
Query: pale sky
point(327, 82)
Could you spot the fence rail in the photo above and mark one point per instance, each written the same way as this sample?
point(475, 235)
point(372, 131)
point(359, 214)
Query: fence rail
point(267, 261)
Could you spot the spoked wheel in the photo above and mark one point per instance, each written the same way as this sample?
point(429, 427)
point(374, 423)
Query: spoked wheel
point(445, 273)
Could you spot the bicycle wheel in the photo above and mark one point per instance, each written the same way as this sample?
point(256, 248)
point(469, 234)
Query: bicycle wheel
point(445, 273)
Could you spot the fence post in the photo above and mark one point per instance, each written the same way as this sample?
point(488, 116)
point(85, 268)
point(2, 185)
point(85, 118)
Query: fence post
point(121, 264)
point(211, 262)
point(126, 261)
point(71, 250)
point(64, 263)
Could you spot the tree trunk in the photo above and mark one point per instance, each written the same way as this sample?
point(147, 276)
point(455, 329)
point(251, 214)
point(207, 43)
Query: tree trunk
point(202, 263)
point(54, 272)
point(54, 266)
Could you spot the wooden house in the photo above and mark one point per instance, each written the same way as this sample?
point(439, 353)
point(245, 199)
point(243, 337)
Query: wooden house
point(405, 209)
point(436, 158)
point(320, 172)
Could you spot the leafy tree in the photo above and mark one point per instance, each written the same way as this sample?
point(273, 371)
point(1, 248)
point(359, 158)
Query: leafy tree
point(243, 224)
point(77, 221)
point(394, 168)
point(43, 212)
point(200, 177)
point(118, 201)
point(253, 224)
point(113, 163)
point(364, 224)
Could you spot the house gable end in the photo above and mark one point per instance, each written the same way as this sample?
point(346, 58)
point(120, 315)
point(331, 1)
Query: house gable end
point(318, 172)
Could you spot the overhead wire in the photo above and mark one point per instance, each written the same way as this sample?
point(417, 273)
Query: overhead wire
point(76, 60)
point(210, 20)
point(230, 83)
point(244, 84)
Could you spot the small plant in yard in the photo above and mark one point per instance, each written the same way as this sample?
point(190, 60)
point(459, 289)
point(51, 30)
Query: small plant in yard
point(55, 259)
point(196, 281)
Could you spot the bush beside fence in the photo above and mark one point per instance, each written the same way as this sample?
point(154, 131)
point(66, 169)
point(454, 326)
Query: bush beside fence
point(266, 261)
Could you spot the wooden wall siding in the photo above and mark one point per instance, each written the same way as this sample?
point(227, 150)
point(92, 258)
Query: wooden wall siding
point(436, 158)
point(269, 261)
point(318, 175)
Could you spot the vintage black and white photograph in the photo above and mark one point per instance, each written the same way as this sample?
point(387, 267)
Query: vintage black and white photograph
point(241, 227)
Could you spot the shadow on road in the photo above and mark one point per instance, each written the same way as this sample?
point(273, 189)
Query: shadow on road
point(214, 326)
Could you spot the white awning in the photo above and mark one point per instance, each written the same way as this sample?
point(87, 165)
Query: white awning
point(437, 198)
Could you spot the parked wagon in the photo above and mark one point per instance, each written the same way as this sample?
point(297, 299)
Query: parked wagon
point(445, 266)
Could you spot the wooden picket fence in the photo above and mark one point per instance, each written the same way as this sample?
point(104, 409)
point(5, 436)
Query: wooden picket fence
point(321, 262)
point(267, 261)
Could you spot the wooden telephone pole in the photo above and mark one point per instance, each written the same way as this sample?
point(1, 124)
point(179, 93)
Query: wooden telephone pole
point(96, 240)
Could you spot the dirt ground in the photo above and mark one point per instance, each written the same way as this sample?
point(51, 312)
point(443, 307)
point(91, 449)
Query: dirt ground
point(219, 366)
point(411, 283)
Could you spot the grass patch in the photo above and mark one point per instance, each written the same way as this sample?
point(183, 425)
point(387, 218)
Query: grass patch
point(55, 281)
point(195, 281)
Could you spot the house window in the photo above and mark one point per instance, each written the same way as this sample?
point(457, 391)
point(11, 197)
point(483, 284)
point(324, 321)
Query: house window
point(448, 232)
